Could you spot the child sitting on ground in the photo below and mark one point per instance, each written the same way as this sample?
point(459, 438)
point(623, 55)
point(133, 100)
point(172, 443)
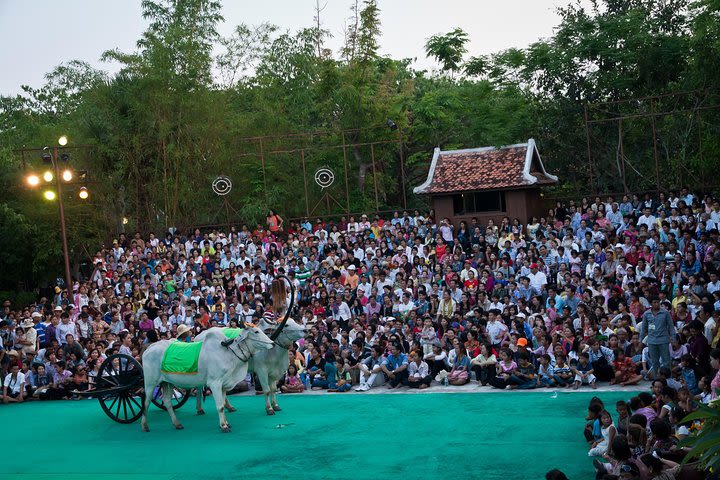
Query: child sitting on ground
point(600, 447)
point(625, 370)
point(641, 404)
point(687, 365)
point(623, 420)
point(546, 374)
point(705, 388)
point(593, 427)
point(563, 371)
point(668, 396)
point(292, 382)
point(584, 372)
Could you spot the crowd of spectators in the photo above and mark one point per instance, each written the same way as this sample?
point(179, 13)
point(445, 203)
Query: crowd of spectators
point(615, 290)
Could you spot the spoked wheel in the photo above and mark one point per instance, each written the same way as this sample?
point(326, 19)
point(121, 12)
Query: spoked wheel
point(179, 397)
point(121, 381)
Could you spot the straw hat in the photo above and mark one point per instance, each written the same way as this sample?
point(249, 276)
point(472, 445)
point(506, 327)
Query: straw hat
point(27, 323)
point(182, 329)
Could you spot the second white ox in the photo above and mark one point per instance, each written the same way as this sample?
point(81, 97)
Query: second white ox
point(222, 364)
point(270, 365)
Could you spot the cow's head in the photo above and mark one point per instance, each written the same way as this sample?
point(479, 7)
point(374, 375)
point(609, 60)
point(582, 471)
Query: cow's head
point(292, 332)
point(252, 339)
point(279, 290)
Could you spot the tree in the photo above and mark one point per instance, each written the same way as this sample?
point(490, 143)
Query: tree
point(448, 49)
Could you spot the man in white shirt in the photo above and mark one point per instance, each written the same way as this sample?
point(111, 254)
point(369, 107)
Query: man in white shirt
point(496, 330)
point(714, 284)
point(14, 386)
point(538, 279)
point(647, 219)
point(405, 306)
point(63, 328)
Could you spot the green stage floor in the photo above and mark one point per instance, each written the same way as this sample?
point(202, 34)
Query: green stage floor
point(504, 435)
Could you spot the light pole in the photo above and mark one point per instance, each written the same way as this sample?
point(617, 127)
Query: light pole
point(63, 230)
point(53, 156)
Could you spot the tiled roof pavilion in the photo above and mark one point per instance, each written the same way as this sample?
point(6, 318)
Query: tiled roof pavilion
point(486, 168)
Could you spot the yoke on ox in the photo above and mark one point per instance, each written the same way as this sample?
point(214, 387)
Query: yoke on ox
point(222, 363)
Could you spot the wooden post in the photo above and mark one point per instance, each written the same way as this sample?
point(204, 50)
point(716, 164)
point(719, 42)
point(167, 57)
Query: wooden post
point(587, 141)
point(372, 155)
point(622, 155)
point(402, 167)
point(347, 184)
point(262, 158)
point(655, 152)
point(307, 207)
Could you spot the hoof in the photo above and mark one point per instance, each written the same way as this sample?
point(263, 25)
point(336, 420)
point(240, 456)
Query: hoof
point(231, 409)
point(276, 408)
point(179, 427)
point(270, 411)
point(145, 428)
point(225, 429)
point(201, 412)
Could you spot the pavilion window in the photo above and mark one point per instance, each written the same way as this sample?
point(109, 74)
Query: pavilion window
point(479, 202)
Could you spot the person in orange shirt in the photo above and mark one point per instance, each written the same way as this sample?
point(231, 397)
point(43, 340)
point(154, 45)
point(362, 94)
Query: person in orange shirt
point(274, 222)
point(352, 278)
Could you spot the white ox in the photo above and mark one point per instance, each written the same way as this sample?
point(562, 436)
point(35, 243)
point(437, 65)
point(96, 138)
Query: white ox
point(222, 365)
point(270, 365)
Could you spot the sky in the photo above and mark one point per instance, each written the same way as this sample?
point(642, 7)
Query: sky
point(36, 35)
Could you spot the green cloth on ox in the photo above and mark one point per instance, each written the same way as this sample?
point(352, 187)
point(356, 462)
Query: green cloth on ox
point(232, 333)
point(181, 357)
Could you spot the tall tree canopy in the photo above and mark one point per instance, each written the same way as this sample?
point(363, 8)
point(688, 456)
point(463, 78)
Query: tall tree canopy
point(181, 108)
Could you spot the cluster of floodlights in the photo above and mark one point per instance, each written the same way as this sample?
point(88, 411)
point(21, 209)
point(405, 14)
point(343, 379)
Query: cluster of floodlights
point(50, 158)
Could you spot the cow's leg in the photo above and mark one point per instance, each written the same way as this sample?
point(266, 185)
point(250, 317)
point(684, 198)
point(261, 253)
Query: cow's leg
point(266, 391)
point(149, 388)
point(198, 402)
point(273, 395)
point(217, 393)
point(167, 393)
point(228, 406)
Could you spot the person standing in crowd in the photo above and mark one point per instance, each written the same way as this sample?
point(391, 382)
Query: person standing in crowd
point(658, 327)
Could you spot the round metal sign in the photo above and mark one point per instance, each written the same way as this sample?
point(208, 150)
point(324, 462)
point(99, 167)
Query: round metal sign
point(222, 185)
point(324, 177)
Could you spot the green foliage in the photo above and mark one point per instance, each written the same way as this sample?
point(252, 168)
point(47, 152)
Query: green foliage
point(448, 49)
point(184, 104)
point(705, 445)
point(17, 299)
point(27, 252)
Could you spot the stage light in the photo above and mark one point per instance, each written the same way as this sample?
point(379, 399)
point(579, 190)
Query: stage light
point(33, 180)
point(48, 176)
point(67, 175)
point(46, 156)
point(49, 195)
point(63, 141)
point(83, 194)
point(390, 124)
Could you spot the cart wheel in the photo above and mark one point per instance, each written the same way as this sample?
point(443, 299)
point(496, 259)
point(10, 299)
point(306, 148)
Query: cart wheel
point(180, 396)
point(121, 377)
